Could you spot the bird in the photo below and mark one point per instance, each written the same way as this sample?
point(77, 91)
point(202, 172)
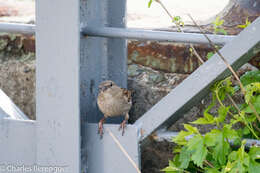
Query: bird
point(113, 101)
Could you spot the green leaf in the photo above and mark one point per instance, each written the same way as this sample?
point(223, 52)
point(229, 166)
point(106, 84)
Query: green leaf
point(244, 25)
point(202, 121)
point(256, 105)
point(208, 116)
point(150, 3)
point(171, 168)
point(199, 155)
point(212, 170)
point(229, 133)
point(210, 54)
point(177, 150)
point(211, 138)
point(241, 26)
point(250, 77)
point(191, 128)
point(228, 167)
point(180, 139)
point(233, 156)
point(218, 22)
point(254, 167)
point(194, 142)
point(222, 88)
point(222, 113)
point(254, 153)
point(176, 18)
point(251, 90)
point(245, 131)
point(184, 158)
point(223, 31)
point(197, 148)
point(239, 159)
point(221, 150)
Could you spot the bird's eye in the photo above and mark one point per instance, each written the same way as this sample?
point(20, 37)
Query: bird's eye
point(111, 84)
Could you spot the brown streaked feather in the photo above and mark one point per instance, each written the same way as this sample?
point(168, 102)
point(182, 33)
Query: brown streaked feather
point(114, 101)
point(127, 93)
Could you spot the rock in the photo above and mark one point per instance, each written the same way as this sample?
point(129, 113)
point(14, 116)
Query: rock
point(17, 80)
point(148, 87)
point(156, 156)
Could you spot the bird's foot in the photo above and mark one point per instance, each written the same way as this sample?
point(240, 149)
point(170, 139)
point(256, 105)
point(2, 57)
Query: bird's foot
point(100, 128)
point(123, 127)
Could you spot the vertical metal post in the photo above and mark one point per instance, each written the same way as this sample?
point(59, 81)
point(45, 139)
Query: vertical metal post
point(101, 58)
point(57, 84)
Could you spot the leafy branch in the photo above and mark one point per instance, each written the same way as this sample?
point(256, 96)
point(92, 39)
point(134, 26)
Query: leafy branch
point(228, 65)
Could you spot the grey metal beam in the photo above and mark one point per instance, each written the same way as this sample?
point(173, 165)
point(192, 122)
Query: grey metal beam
point(57, 84)
point(100, 59)
point(127, 33)
point(197, 85)
point(17, 28)
point(142, 34)
point(105, 156)
point(17, 143)
point(169, 135)
point(9, 109)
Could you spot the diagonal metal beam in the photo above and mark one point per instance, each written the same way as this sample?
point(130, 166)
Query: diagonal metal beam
point(197, 85)
point(9, 109)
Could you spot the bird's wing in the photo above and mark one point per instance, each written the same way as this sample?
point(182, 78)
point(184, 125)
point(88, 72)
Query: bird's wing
point(121, 94)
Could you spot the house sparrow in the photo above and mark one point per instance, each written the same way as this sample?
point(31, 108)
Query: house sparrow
point(113, 101)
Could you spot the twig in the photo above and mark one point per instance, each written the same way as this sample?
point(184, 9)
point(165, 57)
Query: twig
point(228, 65)
point(233, 102)
point(255, 125)
point(179, 28)
point(123, 150)
point(209, 164)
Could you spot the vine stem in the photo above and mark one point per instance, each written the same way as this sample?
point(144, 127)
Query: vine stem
point(233, 102)
point(237, 108)
point(227, 64)
point(209, 164)
point(179, 28)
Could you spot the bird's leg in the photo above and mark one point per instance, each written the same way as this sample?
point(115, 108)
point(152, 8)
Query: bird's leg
point(123, 124)
point(100, 127)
